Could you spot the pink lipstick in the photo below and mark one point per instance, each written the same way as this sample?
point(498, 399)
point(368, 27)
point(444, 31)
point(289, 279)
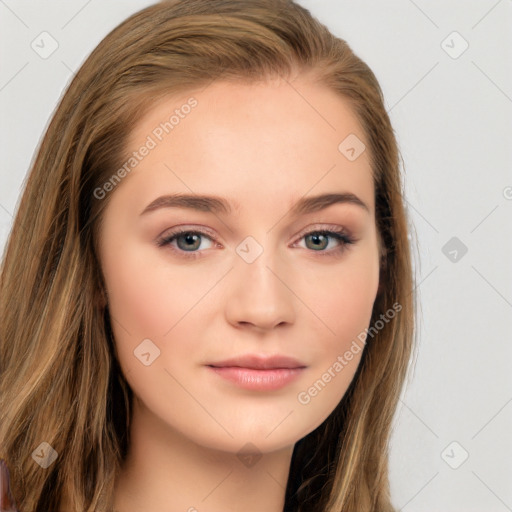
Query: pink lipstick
point(259, 372)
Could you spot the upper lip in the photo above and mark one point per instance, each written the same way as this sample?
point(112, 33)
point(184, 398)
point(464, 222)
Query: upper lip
point(260, 362)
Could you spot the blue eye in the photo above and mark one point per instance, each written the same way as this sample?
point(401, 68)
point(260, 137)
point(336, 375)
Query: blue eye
point(190, 239)
point(339, 236)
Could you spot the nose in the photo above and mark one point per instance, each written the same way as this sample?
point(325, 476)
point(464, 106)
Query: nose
point(260, 295)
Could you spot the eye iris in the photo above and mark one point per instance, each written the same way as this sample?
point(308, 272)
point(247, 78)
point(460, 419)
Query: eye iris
point(316, 237)
point(189, 238)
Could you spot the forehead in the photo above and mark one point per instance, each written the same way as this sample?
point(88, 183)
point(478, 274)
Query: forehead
point(262, 139)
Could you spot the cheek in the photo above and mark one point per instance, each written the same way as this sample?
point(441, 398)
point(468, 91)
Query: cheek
point(145, 303)
point(150, 299)
point(356, 291)
point(147, 296)
point(342, 303)
point(343, 295)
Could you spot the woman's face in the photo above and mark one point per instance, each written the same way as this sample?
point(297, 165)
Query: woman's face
point(259, 279)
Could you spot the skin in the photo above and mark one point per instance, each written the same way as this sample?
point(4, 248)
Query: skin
point(263, 146)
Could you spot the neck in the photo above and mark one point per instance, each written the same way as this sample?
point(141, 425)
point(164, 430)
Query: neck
point(165, 470)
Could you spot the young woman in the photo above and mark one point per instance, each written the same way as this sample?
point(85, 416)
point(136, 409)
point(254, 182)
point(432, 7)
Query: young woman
point(207, 297)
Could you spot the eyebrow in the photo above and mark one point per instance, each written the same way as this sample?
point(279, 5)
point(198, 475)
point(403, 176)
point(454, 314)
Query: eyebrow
point(216, 204)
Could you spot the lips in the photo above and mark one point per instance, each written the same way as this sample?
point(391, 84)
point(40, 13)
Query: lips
point(259, 362)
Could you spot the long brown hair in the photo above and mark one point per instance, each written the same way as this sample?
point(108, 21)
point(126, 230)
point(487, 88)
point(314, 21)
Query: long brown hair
point(60, 379)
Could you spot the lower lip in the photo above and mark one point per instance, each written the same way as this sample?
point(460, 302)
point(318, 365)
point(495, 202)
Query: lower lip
point(259, 380)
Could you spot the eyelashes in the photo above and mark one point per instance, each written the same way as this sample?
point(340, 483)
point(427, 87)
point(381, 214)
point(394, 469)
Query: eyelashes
point(340, 236)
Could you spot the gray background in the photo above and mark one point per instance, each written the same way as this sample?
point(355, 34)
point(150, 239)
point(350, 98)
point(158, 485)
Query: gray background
point(452, 113)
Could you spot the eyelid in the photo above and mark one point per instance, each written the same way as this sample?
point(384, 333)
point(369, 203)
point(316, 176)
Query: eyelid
point(211, 233)
point(187, 228)
point(337, 232)
point(324, 227)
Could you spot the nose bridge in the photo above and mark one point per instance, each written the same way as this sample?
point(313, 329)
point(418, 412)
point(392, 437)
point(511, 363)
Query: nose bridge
point(257, 263)
point(259, 295)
